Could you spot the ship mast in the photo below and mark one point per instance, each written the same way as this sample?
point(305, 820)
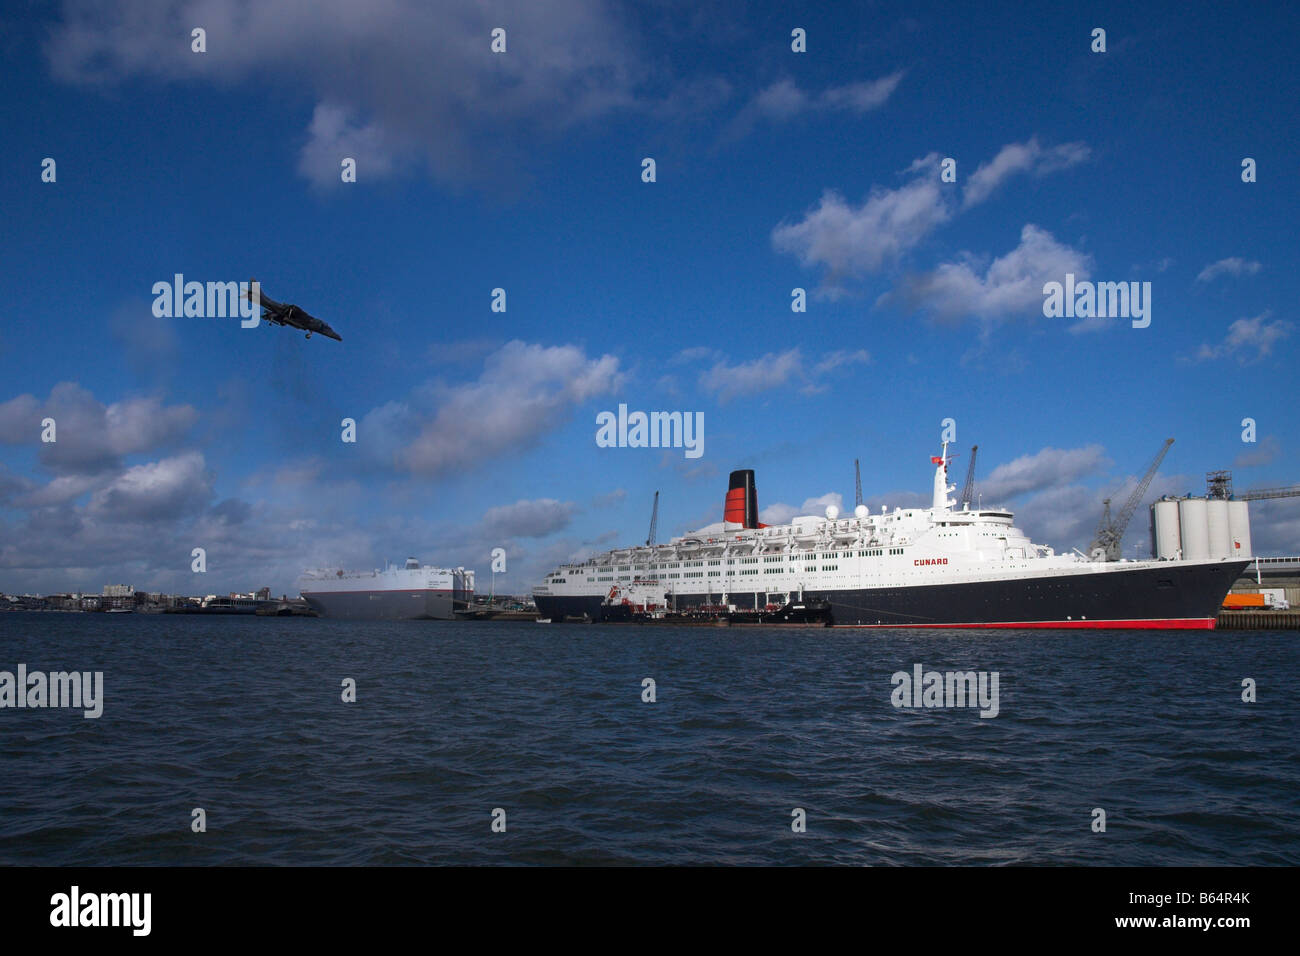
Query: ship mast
point(941, 487)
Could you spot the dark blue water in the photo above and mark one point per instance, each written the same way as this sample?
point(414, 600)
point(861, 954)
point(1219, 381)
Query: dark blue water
point(243, 718)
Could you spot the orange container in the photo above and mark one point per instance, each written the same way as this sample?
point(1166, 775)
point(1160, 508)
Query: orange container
point(1244, 600)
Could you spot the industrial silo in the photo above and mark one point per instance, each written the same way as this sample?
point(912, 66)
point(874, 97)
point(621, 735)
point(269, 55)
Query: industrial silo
point(1167, 538)
point(1194, 528)
point(1239, 527)
point(1216, 512)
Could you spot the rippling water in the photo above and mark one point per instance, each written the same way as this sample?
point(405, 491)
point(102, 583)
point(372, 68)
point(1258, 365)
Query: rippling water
point(243, 718)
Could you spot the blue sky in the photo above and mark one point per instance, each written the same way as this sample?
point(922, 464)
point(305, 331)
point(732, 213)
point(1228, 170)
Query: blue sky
point(522, 170)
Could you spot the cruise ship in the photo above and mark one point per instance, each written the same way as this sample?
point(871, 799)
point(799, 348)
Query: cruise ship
point(412, 592)
point(935, 567)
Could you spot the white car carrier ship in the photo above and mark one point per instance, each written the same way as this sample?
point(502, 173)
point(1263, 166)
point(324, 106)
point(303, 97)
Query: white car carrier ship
point(412, 592)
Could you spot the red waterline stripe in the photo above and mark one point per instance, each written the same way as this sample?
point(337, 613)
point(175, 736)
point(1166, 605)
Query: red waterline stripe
point(1179, 623)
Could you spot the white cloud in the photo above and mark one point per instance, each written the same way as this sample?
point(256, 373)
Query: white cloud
point(59, 491)
point(1011, 285)
point(747, 378)
point(1014, 158)
point(783, 101)
point(860, 97)
point(850, 241)
point(1062, 517)
point(333, 134)
point(1048, 468)
point(528, 519)
point(841, 357)
point(12, 485)
point(396, 81)
point(779, 513)
point(1233, 266)
point(774, 370)
point(159, 491)
point(524, 392)
point(92, 437)
point(1245, 335)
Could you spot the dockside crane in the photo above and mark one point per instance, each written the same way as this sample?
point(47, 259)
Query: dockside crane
point(1111, 530)
point(969, 490)
point(654, 523)
point(857, 482)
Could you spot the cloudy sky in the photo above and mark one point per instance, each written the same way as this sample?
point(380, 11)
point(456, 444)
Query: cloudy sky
point(522, 170)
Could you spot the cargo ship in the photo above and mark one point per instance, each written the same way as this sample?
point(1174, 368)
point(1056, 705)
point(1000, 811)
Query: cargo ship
point(935, 567)
point(411, 592)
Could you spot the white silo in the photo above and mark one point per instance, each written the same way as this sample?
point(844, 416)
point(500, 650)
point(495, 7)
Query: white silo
point(1167, 538)
point(1216, 512)
point(1239, 527)
point(1194, 527)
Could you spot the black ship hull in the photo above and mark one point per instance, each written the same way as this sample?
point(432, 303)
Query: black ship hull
point(1172, 597)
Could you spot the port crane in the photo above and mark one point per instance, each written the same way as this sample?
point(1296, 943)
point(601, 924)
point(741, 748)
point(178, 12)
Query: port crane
point(969, 490)
point(654, 523)
point(1111, 529)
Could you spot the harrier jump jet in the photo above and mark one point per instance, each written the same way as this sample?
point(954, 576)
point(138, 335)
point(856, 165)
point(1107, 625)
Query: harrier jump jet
point(280, 314)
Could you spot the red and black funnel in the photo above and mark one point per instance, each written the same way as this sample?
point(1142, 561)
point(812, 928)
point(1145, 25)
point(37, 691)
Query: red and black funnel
point(742, 499)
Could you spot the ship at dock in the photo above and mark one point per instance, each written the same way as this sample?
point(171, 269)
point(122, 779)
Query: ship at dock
point(411, 592)
point(935, 567)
